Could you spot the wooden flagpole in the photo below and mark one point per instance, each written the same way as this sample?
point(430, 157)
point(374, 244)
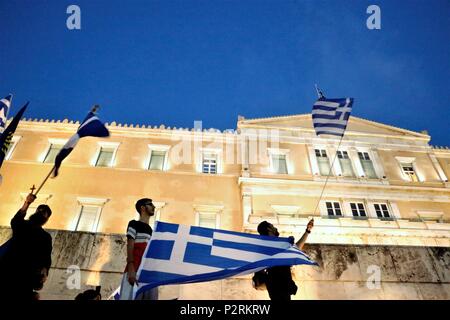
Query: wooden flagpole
point(43, 182)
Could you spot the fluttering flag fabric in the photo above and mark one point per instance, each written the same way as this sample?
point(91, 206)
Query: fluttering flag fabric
point(7, 135)
point(330, 116)
point(5, 104)
point(115, 295)
point(90, 127)
point(186, 254)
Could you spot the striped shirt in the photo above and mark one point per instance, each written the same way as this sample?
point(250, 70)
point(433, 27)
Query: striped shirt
point(140, 232)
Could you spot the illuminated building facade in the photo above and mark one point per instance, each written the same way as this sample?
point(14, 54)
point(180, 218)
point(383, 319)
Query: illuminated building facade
point(388, 186)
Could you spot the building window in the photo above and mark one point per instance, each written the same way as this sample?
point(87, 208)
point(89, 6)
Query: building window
point(209, 163)
point(323, 162)
point(358, 209)
point(333, 208)
point(431, 216)
point(208, 216)
point(11, 147)
point(409, 172)
point(409, 169)
point(105, 157)
point(382, 210)
point(52, 152)
point(346, 164)
point(285, 210)
point(367, 165)
point(88, 218)
point(279, 163)
point(278, 159)
point(207, 220)
point(157, 159)
point(89, 213)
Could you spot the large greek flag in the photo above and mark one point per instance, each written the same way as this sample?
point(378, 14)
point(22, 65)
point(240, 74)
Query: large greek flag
point(330, 116)
point(185, 254)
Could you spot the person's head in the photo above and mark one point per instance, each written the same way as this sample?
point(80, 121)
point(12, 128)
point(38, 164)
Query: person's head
point(41, 216)
point(145, 206)
point(267, 229)
point(89, 295)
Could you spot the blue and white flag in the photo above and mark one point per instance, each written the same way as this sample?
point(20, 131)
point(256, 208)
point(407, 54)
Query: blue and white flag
point(330, 116)
point(115, 295)
point(187, 254)
point(5, 104)
point(7, 135)
point(90, 127)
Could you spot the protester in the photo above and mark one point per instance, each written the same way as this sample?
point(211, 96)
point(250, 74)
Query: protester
point(26, 261)
point(278, 280)
point(138, 235)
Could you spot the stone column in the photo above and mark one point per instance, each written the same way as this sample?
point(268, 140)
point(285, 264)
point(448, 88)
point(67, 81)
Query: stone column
point(246, 208)
point(336, 170)
point(245, 156)
point(379, 169)
point(438, 167)
point(353, 154)
point(313, 160)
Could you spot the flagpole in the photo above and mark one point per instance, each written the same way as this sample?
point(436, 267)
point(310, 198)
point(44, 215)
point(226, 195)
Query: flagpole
point(45, 180)
point(317, 90)
point(328, 176)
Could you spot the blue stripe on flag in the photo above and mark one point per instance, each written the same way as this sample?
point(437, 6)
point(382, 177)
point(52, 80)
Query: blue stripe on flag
point(330, 125)
point(270, 251)
point(254, 236)
point(151, 276)
point(330, 132)
point(325, 108)
point(325, 116)
point(203, 232)
point(166, 227)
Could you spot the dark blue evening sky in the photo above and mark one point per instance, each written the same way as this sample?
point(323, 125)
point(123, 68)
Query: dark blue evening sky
point(173, 62)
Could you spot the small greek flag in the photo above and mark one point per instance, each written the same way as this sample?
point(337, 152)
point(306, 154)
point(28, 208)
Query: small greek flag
point(7, 135)
point(115, 295)
point(90, 127)
point(5, 104)
point(186, 254)
point(330, 116)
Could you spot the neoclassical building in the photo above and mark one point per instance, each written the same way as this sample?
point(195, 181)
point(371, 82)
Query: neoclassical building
point(388, 186)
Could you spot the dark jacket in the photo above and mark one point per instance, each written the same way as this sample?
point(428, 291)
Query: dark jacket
point(30, 247)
